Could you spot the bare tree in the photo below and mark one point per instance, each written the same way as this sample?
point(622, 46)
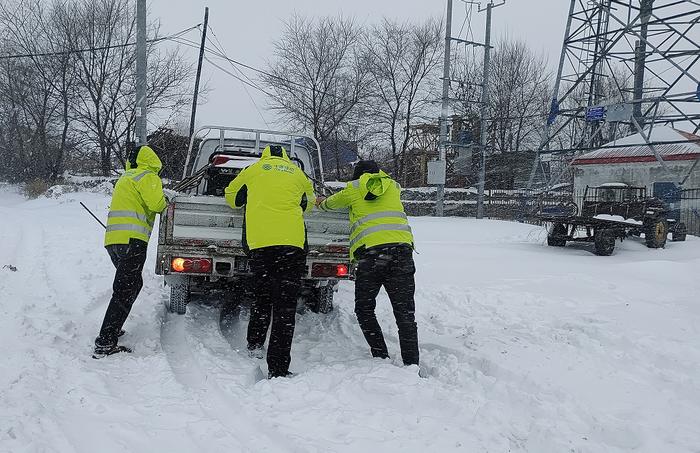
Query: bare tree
point(518, 94)
point(43, 93)
point(519, 90)
point(105, 109)
point(17, 134)
point(76, 83)
point(316, 78)
point(519, 97)
point(401, 59)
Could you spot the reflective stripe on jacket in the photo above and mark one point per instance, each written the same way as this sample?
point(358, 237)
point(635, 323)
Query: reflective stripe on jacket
point(137, 198)
point(275, 194)
point(377, 215)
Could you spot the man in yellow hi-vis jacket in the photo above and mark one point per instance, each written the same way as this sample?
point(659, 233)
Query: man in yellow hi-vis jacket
point(381, 243)
point(137, 198)
point(275, 193)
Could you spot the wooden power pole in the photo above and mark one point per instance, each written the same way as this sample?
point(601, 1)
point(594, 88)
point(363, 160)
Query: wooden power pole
point(199, 71)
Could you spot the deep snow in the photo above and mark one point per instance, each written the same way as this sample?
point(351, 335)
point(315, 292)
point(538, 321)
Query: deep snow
point(527, 349)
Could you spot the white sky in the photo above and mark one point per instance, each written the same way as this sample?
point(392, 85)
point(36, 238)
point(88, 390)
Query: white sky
point(247, 30)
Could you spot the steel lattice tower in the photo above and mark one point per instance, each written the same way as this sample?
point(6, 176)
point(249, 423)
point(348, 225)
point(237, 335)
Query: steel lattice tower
point(625, 66)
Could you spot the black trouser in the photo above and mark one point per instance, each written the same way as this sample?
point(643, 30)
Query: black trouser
point(277, 273)
point(392, 267)
point(128, 259)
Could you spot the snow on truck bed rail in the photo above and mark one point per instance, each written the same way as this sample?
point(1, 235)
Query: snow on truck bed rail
point(526, 348)
point(618, 218)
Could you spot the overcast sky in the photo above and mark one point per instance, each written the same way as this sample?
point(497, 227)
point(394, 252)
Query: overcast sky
point(247, 29)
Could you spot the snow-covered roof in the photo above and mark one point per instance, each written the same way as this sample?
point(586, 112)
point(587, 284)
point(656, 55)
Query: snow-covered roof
point(685, 146)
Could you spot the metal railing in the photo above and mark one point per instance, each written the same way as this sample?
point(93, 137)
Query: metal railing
point(690, 210)
point(293, 136)
point(525, 206)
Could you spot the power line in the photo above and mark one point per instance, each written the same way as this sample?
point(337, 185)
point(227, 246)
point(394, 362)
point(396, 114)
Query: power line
point(461, 29)
point(273, 76)
point(220, 48)
point(237, 77)
point(217, 54)
point(93, 49)
point(252, 68)
point(220, 54)
point(223, 52)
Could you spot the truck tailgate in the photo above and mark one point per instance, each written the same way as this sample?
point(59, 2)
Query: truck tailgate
point(208, 220)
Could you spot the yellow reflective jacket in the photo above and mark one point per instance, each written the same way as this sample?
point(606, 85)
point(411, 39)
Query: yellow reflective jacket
point(137, 198)
point(275, 194)
point(377, 216)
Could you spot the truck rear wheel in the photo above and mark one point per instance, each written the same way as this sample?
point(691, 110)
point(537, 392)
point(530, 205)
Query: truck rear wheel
point(679, 232)
point(320, 300)
point(557, 235)
point(179, 297)
point(604, 242)
point(656, 233)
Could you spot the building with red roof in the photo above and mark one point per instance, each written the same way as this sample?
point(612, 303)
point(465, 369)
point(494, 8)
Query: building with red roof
point(633, 162)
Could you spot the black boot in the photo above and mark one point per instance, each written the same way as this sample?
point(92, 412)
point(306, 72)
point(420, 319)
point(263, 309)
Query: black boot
point(286, 374)
point(105, 349)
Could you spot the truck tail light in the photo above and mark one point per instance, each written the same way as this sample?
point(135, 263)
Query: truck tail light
point(329, 270)
point(341, 270)
point(191, 265)
point(220, 160)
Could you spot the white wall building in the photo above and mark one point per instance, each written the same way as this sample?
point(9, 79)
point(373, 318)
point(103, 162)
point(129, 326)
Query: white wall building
point(631, 161)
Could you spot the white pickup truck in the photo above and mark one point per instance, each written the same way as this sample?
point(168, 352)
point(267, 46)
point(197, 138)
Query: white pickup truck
point(200, 245)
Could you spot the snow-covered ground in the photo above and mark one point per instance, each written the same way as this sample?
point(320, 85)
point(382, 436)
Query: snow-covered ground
point(526, 348)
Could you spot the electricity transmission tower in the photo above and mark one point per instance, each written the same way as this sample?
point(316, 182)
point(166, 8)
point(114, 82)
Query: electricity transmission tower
point(625, 67)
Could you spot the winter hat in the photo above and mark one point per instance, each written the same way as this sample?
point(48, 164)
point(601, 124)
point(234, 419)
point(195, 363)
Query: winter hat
point(364, 166)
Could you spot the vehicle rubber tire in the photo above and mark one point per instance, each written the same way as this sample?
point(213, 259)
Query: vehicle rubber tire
point(656, 233)
point(604, 242)
point(679, 232)
point(320, 300)
point(557, 236)
point(179, 298)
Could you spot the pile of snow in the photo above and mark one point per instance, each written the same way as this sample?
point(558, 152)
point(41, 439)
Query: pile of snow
point(527, 348)
point(73, 184)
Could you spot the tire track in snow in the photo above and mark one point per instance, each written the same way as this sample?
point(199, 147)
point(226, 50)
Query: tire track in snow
point(27, 250)
point(214, 401)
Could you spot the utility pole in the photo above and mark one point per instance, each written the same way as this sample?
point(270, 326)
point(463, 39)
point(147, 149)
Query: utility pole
point(199, 71)
point(483, 139)
point(442, 146)
point(141, 72)
point(446, 100)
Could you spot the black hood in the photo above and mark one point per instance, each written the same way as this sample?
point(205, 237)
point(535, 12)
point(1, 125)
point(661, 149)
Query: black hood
point(364, 166)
